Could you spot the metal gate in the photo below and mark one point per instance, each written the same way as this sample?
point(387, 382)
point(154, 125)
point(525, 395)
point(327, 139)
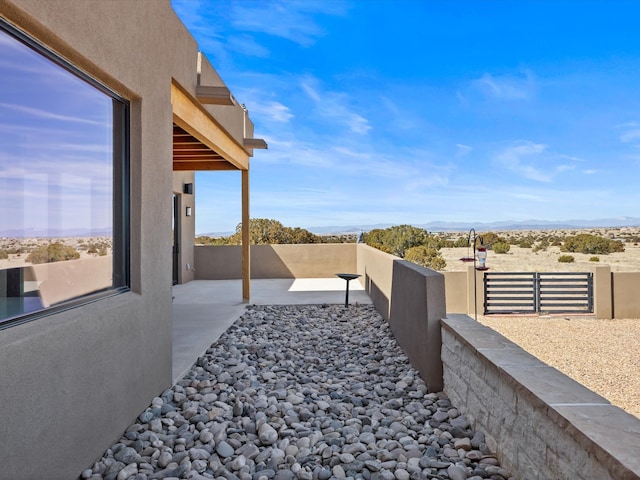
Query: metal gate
point(535, 292)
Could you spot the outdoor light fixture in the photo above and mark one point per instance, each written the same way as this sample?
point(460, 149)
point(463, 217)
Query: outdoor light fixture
point(188, 211)
point(188, 188)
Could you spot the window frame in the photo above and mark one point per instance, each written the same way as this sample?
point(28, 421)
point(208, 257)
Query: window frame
point(121, 178)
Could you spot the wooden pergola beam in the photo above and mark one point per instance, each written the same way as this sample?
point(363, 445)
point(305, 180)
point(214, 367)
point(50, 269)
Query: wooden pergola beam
point(196, 121)
point(204, 165)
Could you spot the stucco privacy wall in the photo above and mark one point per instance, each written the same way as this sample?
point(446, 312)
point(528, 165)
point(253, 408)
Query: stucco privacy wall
point(626, 301)
point(276, 261)
point(71, 382)
point(543, 424)
point(412, 300)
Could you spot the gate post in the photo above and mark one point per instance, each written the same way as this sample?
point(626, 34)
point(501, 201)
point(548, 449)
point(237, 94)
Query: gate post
point(602, 292)
point(475, 291)
point(536, 292)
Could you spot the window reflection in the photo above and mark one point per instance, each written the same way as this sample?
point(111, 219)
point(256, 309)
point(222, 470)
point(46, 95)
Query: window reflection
point(56, 182)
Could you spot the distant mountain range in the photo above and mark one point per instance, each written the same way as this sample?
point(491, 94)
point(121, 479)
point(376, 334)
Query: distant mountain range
point(435, 226)
point(440, 226)
point(55, 233)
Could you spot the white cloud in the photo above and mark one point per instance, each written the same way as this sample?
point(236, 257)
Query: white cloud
point(246, 45)
point(334, 106)
point(273, 111)
point(291, 20)
point(533, 161)
point(463, 150)
point(631, 133)
point(506, 87)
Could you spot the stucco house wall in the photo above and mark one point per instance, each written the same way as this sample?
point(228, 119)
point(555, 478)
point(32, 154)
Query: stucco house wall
point(71, 382)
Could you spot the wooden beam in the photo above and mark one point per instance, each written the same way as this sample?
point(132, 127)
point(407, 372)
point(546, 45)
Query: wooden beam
point(246, 239)
point(202, 166)
point(192, 117)
point(214, 95)
point(255, 143)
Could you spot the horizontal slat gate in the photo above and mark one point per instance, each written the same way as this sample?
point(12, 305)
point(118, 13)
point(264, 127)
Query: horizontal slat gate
point(534, 292)
point(565, 292)
point(509, 293)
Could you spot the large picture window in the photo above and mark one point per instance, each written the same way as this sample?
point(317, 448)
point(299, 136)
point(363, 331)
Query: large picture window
point(63, 183)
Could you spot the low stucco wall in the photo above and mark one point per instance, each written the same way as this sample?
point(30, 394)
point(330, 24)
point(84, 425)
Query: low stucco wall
point(541, 423)
point(625, 288)
point(275, 261)
point(376, 268)
point(456, 292)
point(417, 306)
point(412, 299)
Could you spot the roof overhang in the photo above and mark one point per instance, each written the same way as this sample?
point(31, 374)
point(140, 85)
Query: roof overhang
point(199, 141)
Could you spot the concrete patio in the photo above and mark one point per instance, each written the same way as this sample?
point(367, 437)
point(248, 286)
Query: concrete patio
point(204, 309)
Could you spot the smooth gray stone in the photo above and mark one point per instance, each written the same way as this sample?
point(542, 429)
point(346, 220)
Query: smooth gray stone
point(224, 449)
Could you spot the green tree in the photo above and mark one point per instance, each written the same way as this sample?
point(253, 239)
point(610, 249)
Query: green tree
point(54, 252)
point(266, 231)
point(399, 238)
point(425, 256)
point(300, 235)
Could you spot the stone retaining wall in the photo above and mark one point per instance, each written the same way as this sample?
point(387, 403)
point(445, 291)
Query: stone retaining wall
point(542, 424)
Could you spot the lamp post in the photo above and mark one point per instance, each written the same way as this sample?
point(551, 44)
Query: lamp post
point(481, 256)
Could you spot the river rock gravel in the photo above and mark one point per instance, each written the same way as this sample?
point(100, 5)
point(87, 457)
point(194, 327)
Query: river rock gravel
point(313, 392)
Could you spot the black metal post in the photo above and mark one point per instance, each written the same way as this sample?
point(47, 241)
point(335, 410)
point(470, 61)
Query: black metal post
point(348, 277)
point(346, 295)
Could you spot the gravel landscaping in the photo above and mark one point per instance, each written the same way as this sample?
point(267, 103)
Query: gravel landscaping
point(305, 393)
point(603, 355)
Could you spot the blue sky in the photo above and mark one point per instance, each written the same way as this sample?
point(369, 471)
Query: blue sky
point(417, 111)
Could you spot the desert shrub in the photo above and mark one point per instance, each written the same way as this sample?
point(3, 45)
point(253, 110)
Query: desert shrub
point(461, 242)
point(566, 259)
point(587, 243)
point(594, 259)
point(4, 255)
point(426, 257)
point(523, 243)
point(55, 252)
point(489, 238)
point(501, 247)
